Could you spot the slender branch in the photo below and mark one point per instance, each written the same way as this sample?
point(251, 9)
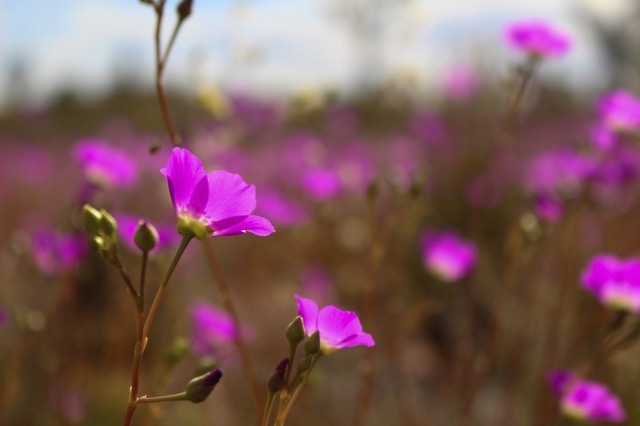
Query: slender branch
point(267, 409)
point(160, 63)
point(162, 398)
point(282, 417)
point(227, 301)
point(172, 40)
point(125, 277)
point(160, 293)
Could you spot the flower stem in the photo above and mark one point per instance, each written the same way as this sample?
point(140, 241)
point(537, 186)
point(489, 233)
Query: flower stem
point(160, 64)
point(143, 326)
point(181, 396)
point(160, 293)
point(140, 343)
point(282, 416)
point(267, 408)
point(227, 301)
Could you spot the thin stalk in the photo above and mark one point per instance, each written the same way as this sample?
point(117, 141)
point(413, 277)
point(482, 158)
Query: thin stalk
point(181, 396)
point(160, 293)
point(282, 417)
point(160, 63)
point(230, 307)
point(268, 408)
point(139, 347)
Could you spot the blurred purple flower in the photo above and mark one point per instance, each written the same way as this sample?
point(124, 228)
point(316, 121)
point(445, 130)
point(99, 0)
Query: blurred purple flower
point(105, 165)
point(548, 208)
point(211, 331)
point(55, 253)
point(602, 137)
point(559, 172)
point(281, 210)
point(316, 282)
point(321, 183)
point(460, 82)
point(355, 166)
point(615, 282)
point(537, 38)
point(585, 400)
point(127, 226)
point(620, 111)
point(447, 255)
point(338, 329)
point(215, 204)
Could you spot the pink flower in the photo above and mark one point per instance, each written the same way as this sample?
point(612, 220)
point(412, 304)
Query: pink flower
point(215, 204)
point(615, 282)
point(620, 111)
point(338, 329)
point(105, 165)
point(537, 38)
point(447, 255)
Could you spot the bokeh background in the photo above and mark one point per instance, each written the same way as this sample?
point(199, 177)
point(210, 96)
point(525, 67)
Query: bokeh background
point(362, 124)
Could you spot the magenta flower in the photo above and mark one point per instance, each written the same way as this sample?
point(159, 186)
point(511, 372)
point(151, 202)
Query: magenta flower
point(215, 204)
point(55, 253)
point(105, 165)
point(537, 38)
point(212, 331)
point(585, 400)
point(321, 184)
point(281, 209)
point(460, 82)
point(615, 282)
point(447, 255)
point(620, 111)
point(338, 329)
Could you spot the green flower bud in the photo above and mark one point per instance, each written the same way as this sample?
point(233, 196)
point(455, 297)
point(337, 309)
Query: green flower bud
point(178, 350)
point(199, 388)
point(312, 345)
point(276, 381)
point(108, 224)
point(305, 364)
point(295, 331)
point(97, 243)
point(146, 236)
point(91, 219)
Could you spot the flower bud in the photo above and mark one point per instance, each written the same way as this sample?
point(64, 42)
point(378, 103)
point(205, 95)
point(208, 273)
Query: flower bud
point(304, 364)
point(108, 224)
point(178, 350)
point(312, 345)
point(184, 9)
point(295, 331)
point(276, 381)
point(199, 388)
point(97, 243)
point(91, 219)
point(146, 236)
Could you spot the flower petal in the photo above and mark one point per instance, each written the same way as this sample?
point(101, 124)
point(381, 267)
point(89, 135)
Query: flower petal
point(229, 196)
point(239, 225)
point(358, 339)
point(336, 325)
point(183, 171)
point(308, 310)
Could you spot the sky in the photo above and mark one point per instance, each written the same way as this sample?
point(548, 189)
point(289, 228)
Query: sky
point(271, 46)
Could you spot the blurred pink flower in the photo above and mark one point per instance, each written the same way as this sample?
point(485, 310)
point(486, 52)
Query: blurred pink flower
point(620, 111)
point(321, 183)
point(537, 38)
point(55, 253)
point(105, 165)
point(615, 282)
point(281, 210)
point(212, 330)
point(447, 255)
point(460, 82)
point(585, 400)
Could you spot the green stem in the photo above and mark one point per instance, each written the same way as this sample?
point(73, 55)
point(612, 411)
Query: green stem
point(181, 396)
point(267, 408)
point(282, 417)
point(160, 293)
point(172, 40)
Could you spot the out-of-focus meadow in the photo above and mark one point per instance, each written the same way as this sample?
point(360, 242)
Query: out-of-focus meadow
point(458, 220)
